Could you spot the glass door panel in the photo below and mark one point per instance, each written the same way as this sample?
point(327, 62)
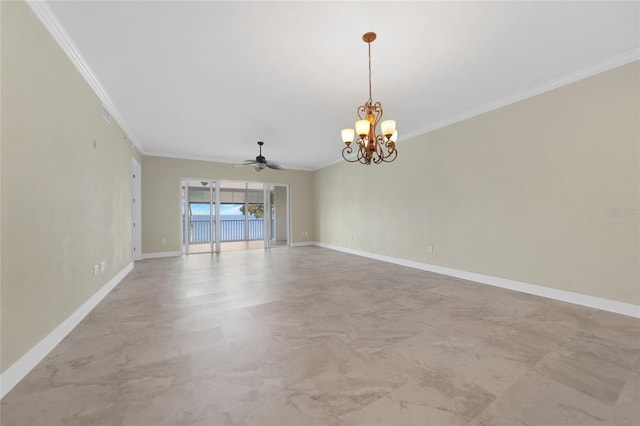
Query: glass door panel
point(255, 216)
point(198, 216)
point(233, 198)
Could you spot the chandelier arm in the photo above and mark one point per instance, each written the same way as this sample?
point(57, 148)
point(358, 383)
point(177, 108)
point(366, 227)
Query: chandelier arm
point(362, 156)
point(346, 151)
point(379, 145)
point(375, 157)
point(391, 156)
point(362, 110)
point(378, 108)
point(379, 152)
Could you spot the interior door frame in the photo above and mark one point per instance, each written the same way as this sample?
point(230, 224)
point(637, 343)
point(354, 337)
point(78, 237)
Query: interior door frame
point(271, 187)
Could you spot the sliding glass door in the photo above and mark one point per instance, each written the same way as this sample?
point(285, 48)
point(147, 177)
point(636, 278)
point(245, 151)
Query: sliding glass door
point(231, 215)
point(199, 213)
point(241, 215)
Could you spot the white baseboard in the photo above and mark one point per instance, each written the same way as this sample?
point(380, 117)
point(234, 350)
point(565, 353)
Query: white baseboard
point(305, 243)
point(16, 372)
point(550, 293)
point(161, 254)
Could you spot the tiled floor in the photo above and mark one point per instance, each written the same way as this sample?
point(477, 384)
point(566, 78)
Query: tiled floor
point(234, 245)
point(309, 336)
point(227, 246)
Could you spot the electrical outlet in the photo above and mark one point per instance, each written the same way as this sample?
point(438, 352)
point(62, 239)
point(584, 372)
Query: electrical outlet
point(430, 248)
point(95, 269)
point(103, 265)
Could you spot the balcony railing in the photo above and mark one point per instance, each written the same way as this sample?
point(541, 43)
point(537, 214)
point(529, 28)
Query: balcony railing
point(203, 231)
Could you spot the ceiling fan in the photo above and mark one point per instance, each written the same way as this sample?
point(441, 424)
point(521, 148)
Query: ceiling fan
point(260, 162)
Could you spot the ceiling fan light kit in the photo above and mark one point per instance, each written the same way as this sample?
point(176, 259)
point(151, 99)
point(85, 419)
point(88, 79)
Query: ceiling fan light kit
point(260, 163)
point(371, 147)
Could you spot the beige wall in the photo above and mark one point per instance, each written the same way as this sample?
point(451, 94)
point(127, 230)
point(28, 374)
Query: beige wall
point(544, 191)
point(161, 197)
point(66, 205)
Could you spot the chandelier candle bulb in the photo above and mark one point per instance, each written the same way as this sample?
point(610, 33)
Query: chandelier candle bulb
point(347, 136)
point(362, 127)
point(388, 128)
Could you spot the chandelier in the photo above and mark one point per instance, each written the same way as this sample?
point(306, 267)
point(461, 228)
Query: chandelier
point(371, 148)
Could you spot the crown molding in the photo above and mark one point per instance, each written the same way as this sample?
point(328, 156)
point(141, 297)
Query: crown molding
point(603, 66)
point(325, 165)
point(608, 64)
point(46, 16)
point(209, 159)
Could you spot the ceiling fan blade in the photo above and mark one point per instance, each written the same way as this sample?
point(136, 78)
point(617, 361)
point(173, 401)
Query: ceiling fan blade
point(274, 165)
point(246, 163)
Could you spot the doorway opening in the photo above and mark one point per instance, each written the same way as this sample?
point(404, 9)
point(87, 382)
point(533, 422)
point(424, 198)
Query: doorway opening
point(278, 228)
point(231, 215)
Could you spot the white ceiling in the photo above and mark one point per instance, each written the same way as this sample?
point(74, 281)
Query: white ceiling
point(206, 80)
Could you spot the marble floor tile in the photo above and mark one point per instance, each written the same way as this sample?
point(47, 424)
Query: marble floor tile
point(421, 404)
point(538, 400)
point(627, 407)
point(310, 336)
point(601, 375)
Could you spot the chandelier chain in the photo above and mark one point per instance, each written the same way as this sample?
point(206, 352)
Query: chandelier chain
point(369, 44)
